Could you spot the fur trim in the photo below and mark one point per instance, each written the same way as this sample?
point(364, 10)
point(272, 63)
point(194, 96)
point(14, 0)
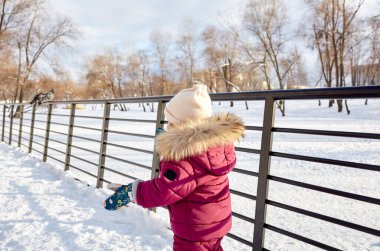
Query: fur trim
point(196, 136)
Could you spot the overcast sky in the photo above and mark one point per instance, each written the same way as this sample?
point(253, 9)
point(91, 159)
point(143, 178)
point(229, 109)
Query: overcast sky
point(128, 23)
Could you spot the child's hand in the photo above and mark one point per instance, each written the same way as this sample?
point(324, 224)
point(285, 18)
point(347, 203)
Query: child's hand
point(119, 199)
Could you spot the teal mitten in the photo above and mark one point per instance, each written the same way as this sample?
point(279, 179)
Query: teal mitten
point(119, 199)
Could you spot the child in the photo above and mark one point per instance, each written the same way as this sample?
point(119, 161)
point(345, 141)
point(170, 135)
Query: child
point(197, 154)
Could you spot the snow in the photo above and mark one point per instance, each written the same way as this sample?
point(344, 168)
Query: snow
point(44, 207)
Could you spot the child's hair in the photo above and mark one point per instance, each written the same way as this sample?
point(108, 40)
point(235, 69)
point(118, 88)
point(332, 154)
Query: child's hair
point(191, 103)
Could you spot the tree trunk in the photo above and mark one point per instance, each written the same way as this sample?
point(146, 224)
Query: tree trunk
point(331, 102)
point(347, 109)
point(281, 107)
point(17, 114)
point(340, 105)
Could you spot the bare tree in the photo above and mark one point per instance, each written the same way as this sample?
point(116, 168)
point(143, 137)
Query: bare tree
point(187, 44)
point(35, 38)
point(139, 75)
point(265, 20)
point(12, 13)
point(161, 45)
point(334, 26)
point(107, 73)
point(221, 54)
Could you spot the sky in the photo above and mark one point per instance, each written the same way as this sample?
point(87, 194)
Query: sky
point(126, 24)
point(122, 24)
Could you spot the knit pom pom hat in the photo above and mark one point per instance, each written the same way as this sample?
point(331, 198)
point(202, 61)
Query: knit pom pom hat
point(191, 103)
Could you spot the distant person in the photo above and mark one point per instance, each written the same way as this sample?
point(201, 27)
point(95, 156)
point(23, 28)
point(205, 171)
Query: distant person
point(197, 153)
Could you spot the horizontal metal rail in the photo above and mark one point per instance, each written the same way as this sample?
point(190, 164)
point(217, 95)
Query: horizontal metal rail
point(106, 181)
point(38, 136)
point(60, 115)
point(24, 145)
point(242, 171)
point(60, 133)
point(303, 94)
point(58, 160)
point(84, 160)
point(83, 171)
point(132, 120)
point(61, 124)
point(34, 142)
point(359, 135)
point(131, 134)
point(254, 128)
point(343, 223)
point(119, 173)
point(42, 121)
point(57, 141)
point(327, 161)
point(87, 128)
point(129, 162)
point(239, 239)
point(299, 94)
point(129, 148)
point(84, 138)
point(87, 117)
point(56, 150)
point(326, 190)
point(85, 149)
point(243, 217)
point(241, 194)
point(247, 150)
point(300, 238)
point(38, 150)
point(24, 138)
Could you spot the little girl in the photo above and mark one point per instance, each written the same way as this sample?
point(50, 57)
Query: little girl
point(197, 153)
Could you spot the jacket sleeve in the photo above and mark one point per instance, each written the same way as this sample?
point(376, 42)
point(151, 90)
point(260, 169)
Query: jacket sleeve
point(175, 182)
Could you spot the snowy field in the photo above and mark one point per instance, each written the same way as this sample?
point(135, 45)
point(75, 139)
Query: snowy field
point(67, 215)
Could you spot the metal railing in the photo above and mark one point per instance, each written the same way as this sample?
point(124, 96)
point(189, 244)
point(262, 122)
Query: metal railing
point(46, 122)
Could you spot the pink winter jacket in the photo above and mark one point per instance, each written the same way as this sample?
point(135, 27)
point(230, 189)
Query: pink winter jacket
point(193, 182)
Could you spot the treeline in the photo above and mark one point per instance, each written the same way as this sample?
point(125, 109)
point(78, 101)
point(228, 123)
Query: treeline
point(263, 49)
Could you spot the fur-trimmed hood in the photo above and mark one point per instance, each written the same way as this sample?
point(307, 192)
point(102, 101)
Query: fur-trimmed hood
point(196, 136)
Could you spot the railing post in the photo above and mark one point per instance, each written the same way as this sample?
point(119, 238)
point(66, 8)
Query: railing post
point(264, 166)
point(20, 126)
point(11, 125)
point(70, 137)
point(47, 132)
point(103, 145)
point(30, 148)
point(2, 129)
point(159, 124)
point(156, 158)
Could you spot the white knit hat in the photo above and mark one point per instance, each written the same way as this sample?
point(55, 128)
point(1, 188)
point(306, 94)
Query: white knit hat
point(189, 103)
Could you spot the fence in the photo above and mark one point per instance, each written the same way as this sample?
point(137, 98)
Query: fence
point(43, 132)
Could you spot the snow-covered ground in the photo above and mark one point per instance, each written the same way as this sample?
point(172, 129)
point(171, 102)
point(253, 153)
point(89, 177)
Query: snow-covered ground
point(71, 217)
point(43, 208)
